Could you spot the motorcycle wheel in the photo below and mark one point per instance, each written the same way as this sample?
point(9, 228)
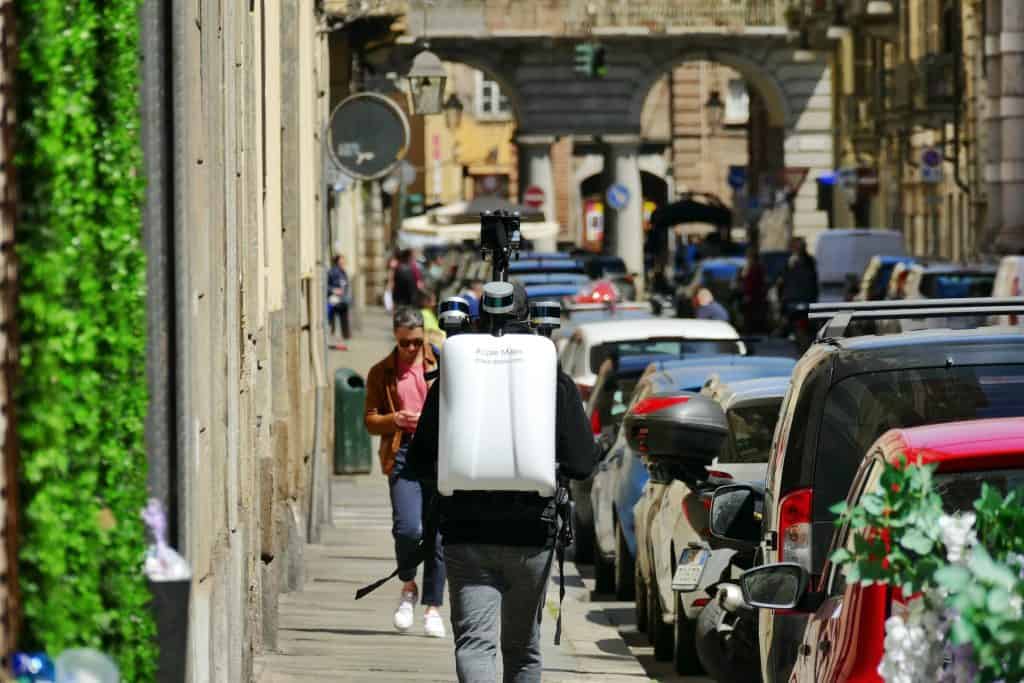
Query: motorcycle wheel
point(685, 658)
point(624, 567)
point(726, 656)
point(640, 600)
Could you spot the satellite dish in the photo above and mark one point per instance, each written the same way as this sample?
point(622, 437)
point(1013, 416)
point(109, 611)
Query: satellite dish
point(369, 135)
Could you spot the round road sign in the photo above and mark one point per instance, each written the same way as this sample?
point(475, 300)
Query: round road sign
point(931, 157)
point(369, 135)
point(617, 196)
point(533, 197)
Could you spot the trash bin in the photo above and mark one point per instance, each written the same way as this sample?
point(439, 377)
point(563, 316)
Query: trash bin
point(351, 440)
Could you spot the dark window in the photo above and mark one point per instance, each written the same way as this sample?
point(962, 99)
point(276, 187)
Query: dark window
point(959, 490)
point(613, 399)
point(957, 285)
point(859, 409)
point(750, 433)
point(672, 347)
point(880, 282)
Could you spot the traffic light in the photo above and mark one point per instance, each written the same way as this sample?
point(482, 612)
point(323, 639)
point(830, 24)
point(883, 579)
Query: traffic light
point(590, 60)
point(585, 59)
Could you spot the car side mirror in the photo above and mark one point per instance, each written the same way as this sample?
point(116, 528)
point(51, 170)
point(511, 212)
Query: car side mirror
point(735, 514)
point(774, 586)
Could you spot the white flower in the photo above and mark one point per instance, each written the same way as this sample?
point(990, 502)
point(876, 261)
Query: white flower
point(958, 536)
point(913, 645)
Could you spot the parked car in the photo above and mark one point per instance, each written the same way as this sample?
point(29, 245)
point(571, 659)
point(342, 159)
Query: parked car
point(551, 292)
point(576, 314)
point(943, 281)
point(545, 265)
point(1009, 282)
point(750, 397)
point(530, 279)
point(845, 634)
point(606, 407)
point(621, 475)
point(845, 393)
point(875, 282)
point(592, 343)
point(841, 254)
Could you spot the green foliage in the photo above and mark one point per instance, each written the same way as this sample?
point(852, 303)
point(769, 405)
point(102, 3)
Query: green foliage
point(81, 399)
point(897, 527)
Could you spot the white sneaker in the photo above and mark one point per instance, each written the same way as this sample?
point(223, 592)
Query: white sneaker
point(433, 624)
point(406, 612)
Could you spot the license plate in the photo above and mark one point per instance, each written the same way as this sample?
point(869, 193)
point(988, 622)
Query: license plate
point(691, 566)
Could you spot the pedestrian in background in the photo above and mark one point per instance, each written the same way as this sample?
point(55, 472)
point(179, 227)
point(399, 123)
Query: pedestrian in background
point(339, 296)
point(706, 308)
point(753, 291)
point(406, 282)
point(389, 287)
point(473, 294)
point(499, 545)
point(431, 325)
point(395, 391)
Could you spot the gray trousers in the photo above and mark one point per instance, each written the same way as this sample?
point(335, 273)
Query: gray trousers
point(485, 581)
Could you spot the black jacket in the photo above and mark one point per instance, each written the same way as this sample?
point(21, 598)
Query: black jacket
point(502, 518)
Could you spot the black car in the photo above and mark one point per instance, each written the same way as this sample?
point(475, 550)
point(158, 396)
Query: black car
point(845, 393)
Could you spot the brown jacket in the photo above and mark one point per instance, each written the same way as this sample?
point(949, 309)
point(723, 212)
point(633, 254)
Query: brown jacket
point(382, 403)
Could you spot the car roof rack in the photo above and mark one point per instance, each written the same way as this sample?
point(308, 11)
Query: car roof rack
point(840, 315)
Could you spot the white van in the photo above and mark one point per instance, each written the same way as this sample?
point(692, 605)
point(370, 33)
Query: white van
point(1009, 282)
point(841, 253)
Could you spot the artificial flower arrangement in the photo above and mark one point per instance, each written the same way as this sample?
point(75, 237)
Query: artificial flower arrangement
point(962, 576)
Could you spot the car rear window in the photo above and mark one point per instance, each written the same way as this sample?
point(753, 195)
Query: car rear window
point(957, 285)
point(674, 347)
point(959, 490)
point(861, 408)
point(750, 433)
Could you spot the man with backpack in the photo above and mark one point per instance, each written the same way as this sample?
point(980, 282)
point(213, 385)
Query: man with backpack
point(499, 546)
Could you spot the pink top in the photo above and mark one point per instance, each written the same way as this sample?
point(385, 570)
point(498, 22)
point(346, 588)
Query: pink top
point(412, 387)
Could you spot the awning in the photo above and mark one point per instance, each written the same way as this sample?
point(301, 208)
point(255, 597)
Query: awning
point(690, 211)
point(460, 221)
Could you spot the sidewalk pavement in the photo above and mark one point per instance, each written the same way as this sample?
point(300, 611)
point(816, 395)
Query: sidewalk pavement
point(325, 635)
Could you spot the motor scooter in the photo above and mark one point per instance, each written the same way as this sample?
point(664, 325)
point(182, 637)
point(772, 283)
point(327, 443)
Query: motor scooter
point(726, 630)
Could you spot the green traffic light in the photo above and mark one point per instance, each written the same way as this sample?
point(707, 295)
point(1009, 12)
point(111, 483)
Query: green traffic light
point(585, 59)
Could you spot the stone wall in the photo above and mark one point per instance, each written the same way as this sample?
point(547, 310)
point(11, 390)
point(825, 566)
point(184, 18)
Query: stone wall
point(250, 82)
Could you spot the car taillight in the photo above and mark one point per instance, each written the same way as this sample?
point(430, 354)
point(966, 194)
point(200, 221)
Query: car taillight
point(701, 602)
point(653, 405)
point(595, 423)
point(795, 528)
point(718, 474)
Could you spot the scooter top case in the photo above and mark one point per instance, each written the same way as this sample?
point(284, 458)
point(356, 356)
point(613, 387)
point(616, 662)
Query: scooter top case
point(682, 428)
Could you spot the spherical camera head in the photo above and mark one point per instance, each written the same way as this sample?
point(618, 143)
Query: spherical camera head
point(545, 317)
point(500, 239)
point(453, 315)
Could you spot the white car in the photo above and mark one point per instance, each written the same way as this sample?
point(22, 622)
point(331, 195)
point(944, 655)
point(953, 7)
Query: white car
point(941, 281)
point(592, 343)
point(678, 516)
point(1009, 282)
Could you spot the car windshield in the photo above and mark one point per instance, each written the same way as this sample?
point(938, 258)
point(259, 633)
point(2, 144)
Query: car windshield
point(613, 399)
point(861, 408)
point(750, 433)
point(959, 490)
point(676, 347)
point(957, 285)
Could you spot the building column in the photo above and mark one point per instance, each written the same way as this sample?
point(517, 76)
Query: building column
point(994, 212)
point(1011, 111)
point(535, 169)
point(624, 228)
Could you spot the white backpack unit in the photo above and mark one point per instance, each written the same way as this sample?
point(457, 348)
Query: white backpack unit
point(497, 414)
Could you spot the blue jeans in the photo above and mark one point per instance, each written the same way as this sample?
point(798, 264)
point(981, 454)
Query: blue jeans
point(409, 500)
point(492, 584)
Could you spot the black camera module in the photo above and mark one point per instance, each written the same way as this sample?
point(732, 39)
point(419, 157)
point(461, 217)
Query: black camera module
point(500, 239)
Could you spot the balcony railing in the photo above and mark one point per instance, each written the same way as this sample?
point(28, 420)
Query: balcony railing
point(579, 17)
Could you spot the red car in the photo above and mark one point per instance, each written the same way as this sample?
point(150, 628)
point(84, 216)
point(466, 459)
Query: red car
point(843, 640)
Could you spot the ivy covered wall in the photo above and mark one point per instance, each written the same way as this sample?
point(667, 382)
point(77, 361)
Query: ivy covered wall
point(82, 397)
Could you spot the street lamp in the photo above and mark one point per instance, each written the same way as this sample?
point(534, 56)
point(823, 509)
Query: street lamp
point(426, 83)
point(453, 112)
point(715, 110)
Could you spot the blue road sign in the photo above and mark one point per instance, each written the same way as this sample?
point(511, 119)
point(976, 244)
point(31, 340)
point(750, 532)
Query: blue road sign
point(737, 177)
point(617, 196)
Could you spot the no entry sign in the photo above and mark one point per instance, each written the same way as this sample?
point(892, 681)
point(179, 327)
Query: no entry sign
point(533, 197)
